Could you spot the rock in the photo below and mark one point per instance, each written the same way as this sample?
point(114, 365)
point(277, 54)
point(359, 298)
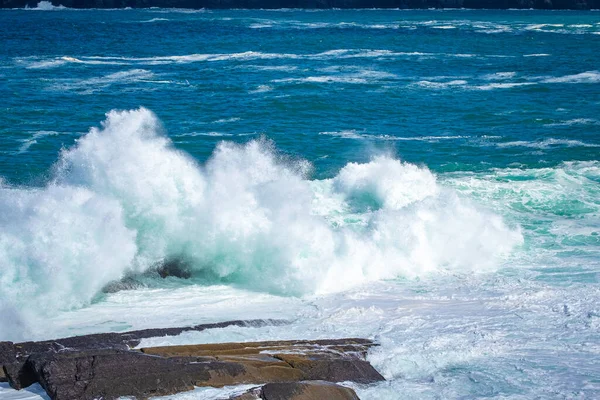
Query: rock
point(281, 361)
point(252, 394)
point(315, 390)
point(307, 390)
point(14, 355)
point(108, 373)
point(127, 283)
point(176, 268)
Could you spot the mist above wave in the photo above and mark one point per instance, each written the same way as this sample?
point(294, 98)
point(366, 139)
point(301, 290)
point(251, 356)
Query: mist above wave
point(123, 200)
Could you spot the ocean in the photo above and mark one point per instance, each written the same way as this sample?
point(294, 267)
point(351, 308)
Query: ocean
point(427, 179)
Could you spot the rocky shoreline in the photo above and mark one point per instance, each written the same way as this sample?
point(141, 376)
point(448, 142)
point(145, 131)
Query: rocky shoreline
point(106, 365)
point(323, 4)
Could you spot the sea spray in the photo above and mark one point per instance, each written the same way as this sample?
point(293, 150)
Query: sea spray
point(123, 200)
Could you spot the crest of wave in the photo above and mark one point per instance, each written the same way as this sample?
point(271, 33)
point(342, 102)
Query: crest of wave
point(123, 200)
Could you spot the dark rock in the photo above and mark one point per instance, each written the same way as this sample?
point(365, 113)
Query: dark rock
point(88, 373)
point(127, 283)
point(176, 268)
point(14, 355)
point(109, 374)
point(307, 390)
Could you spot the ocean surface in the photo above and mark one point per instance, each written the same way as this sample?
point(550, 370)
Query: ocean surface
point(427, 179)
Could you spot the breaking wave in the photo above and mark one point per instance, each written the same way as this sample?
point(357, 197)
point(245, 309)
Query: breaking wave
point(124, 200)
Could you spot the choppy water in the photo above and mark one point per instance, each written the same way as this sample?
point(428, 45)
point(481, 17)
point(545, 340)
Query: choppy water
point(428, 179)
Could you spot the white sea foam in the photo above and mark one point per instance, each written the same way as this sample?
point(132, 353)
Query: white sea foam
point(123, 199)
point(347, 134)
point(210, 134)
point(500, 76)
point(261, 89)
point(422, 138)
point(547, 143)
point(227, 120)
point(576, 121)
point(503, 85)
point(441, 85)
point(27, 143)
point(155, 20)
point(92, 85)
point(47, 6)
point(37, 62)
point(584, 77)
point(359, 77)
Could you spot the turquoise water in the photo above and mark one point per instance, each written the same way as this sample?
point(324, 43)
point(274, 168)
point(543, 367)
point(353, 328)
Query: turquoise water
point(429, 179)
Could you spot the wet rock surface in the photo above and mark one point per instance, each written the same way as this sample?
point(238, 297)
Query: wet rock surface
point(104, 366)
point(306, 390)
point(13, 356)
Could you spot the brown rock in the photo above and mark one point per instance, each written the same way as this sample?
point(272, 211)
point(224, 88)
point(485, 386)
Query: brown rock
point(280, 361)
point(307, 390)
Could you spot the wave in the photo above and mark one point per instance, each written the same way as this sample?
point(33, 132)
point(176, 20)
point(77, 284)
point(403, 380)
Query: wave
point(354, 134)
point(576, 121)
point(441, 85)
point(485, 27)
point(360, 77)
point(155, 20)
point(501, 78)
point(27, 143)
point(548, 143)
point(37, 62)
point(123, 200)
point(503, 85)
point(209, 134)
point(46, 6)
point(584, 77)
point(91, 85)
point(261, 89)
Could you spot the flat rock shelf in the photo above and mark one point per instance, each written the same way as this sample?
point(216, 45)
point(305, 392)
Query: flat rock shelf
point(105, 366)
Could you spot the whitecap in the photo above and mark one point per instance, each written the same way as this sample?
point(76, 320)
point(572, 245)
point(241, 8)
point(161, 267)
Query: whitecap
point(46, 6)
point(547, 144)
point(584, 77)
point(502, 85)
point(576, 121)
point(155, 20)
point(227, 120)
point(499, 76)
point(261, 89)
point(441, 85)
point(345, 134)
point(27, 143)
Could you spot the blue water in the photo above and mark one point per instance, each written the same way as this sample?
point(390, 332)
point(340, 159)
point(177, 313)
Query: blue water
point(429, 179)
